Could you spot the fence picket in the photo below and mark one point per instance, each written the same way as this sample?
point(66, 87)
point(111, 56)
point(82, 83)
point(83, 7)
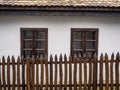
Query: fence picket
point(14, 73)
point(75, 72)
point(80, 73)
point(23, 73)
point(85, 73)
point(28, 73)
point(101, 72)
point(3, 73)
point(42, 72)
point(95, 72)
point(61, 73)
point(117, 71)
point(46, 69)
point(18, 73)
point(111, 71)
point(8, 72)
point(90, 74)
point(70, 73)
point(0, 76)
point(37, 74)
point(65, 78)
point(56, 72)
point(51, 72)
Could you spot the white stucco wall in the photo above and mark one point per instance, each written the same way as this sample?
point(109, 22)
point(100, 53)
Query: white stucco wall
point(59, 30)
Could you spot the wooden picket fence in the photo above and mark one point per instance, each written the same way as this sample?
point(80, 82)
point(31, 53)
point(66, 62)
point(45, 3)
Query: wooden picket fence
point(77, 73)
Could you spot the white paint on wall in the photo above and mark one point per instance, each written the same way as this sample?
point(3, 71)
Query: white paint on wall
point(59, 30)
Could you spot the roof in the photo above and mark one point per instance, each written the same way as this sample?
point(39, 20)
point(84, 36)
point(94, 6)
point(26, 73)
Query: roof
point(74, 3)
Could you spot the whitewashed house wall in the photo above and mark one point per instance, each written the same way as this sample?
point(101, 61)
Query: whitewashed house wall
point(59, 31)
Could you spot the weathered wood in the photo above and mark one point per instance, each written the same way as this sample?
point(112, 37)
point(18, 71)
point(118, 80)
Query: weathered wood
point(90, 74)
point(56, 72)
point(101, 72)
point(117, 71)
point(51, 72)
point(111, 71)
point(14, 73)
point(75, 72)
point(28, 73)
point(85, 73)
point(46, 69)
point(70, 73)
point(23, 73)
point(61, 73)
point(8, 72)
point(95, 72)
point(42, 72)
point(3, 73)
point(80, 72)
point(37, 74)
point(33, 73)
point(65, 78)
point(106, 72)
point(0, 77)
point(18, 73)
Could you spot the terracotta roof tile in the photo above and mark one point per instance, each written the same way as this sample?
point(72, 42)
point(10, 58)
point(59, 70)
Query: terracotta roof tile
point(110, 3)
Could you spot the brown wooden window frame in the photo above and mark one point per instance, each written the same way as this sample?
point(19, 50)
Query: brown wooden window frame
point(34, 40)
point(84, 40)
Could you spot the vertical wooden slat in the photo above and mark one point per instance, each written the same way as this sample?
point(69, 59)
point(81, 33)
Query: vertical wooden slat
point(85, 73)
point(8, 72)
point(61, 73)
point(80, 72)
point(90, 74)
point(75, 72)
point(111, 72)
point(101, 72)
point(37, 74)
point(23, 73)
point(65, 78)
point(46, 69)
point(33, 73)
point(3, 73)
point(70, 73)
point(107, 72)
point(28, 73)
point(0, 75)
point(51, 72)
point(95, 72)
point(117, 71)
point(14, 73)
point(42, 72)
point(56, 72)
point(18, 73)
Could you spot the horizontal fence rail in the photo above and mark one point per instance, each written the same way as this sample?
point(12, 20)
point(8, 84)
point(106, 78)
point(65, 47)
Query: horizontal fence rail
point(73, 73)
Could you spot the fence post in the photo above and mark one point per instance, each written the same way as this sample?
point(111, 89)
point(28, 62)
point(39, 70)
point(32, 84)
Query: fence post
point(95, 72)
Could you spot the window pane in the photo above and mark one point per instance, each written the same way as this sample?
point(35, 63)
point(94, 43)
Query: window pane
point(90, 45)
point(28, 35)
point(77, 45)
point(77, 35)
point(90, 54)
point(39, 53)
point(77, 53)
point(90, 35)
point(27, 53)
point(40, 35)
point(28, 44)
point(40, 44)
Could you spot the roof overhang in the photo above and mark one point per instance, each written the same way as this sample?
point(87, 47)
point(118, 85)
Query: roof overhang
point(60, 10)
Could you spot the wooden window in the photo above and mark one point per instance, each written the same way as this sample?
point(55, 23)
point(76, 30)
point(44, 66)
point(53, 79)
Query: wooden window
point(84, 41)
point(34, 41)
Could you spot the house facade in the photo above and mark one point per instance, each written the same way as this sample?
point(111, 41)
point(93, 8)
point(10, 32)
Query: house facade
point(54, 27)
